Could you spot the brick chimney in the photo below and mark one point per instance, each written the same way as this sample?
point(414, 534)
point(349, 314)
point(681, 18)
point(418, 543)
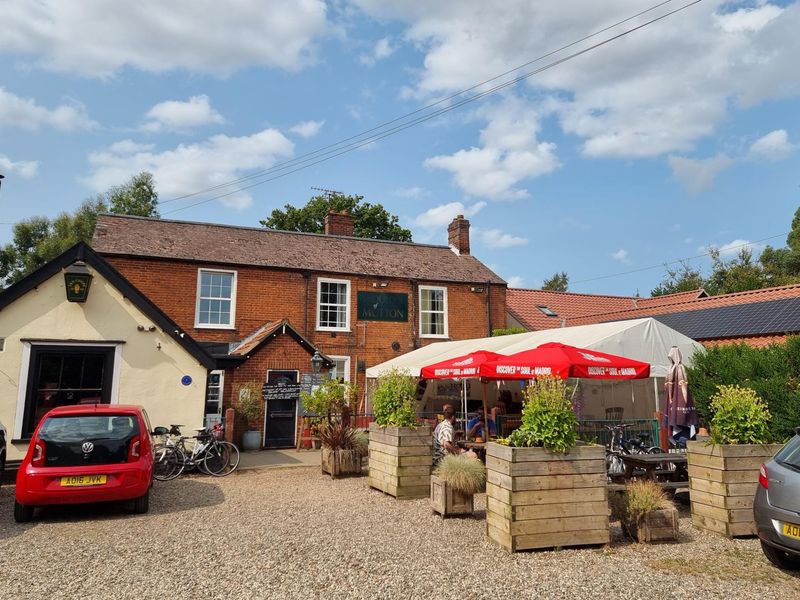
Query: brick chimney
point(339, 223)
point(458, 235)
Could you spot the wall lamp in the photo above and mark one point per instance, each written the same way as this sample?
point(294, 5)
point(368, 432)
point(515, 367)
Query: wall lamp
point(77, 279)
point(477, 290)
point(381, 284)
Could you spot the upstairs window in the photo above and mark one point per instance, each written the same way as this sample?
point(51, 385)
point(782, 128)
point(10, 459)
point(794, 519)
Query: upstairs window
point(333, 302)
point(432, 311)
point(548, 311)
point(216, 299)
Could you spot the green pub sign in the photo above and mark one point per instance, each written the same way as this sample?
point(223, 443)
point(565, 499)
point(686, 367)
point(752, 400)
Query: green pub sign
point(382, 306)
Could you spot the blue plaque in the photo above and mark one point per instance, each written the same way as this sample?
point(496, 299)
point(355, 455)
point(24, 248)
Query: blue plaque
point(186, 380)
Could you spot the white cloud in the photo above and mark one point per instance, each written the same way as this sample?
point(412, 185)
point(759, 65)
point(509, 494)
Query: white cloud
point(307, 129)
point(773, 146)
point(414, 192)
point(621, 255)
point(495, 238)
point(654, 92)
point(189, 168)
point(442, 215)
point(26, 169)
point(382, 49)
point(86, 37)
point(25, 113)
point(698, 174)
point(571, 223)
point(733, 248)
point(510, 153)
point(515, 281)
point(175, 115)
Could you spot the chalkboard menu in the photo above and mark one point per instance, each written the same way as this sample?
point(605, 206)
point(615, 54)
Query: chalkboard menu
point(281, 391)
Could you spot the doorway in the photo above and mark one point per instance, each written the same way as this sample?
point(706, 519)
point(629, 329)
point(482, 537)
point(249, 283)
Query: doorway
point(281, 396)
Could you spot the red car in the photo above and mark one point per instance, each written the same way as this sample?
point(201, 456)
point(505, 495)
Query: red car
point(81, 454)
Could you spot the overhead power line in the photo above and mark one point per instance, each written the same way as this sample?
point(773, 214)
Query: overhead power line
point(405, 122)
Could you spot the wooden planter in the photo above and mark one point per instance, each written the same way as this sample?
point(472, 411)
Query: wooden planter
point(341, 463)
point(400, 460)
point(658, 526)
point(539, 499)
point(722, 483)
point(448, 502)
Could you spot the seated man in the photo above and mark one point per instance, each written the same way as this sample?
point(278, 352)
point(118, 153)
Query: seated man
point(444, 439)
point(476, 429)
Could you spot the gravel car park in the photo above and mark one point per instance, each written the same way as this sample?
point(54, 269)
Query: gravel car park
point(294, 533)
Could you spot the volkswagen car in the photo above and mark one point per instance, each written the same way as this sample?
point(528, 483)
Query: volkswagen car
point(87, 453)
point(777, 506)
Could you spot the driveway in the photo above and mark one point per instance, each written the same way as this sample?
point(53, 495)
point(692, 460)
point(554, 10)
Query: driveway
point(294, 533)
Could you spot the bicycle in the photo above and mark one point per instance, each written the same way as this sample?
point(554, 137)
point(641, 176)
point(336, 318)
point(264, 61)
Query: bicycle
point(209, 454)
point(619, 446)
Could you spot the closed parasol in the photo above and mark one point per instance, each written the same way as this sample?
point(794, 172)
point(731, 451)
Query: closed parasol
point(681, 414)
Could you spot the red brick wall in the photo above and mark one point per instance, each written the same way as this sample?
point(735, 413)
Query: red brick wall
point(265, 294)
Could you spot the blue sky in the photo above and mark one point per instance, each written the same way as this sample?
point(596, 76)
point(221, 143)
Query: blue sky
point(680, 136)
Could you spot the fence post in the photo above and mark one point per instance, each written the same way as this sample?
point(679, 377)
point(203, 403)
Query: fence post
point(230, 418)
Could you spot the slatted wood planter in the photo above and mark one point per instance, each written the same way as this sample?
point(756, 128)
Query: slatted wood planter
point(658, 526)
point(341, 463)
point(448, 502)
point(400, 460)
point(539, 499)
point(722, 483)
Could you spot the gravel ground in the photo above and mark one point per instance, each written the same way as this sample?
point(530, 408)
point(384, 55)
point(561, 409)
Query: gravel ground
point(293, 533)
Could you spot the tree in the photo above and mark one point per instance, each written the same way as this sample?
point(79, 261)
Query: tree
point(681, 279)
point(736, 275)
point(371, 220)
point(559, 282)
point(37, 240)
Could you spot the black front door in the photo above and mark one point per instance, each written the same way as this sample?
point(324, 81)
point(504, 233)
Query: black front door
point(281, 395)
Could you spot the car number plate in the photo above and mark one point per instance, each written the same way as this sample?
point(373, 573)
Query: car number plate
point(81, 480)
point(791, 530)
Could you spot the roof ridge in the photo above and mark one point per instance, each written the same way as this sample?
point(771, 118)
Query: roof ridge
point(572, 293)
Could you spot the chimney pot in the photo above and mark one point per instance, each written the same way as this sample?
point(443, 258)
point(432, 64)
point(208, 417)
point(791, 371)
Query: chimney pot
point(339, 223)
point(458, 235)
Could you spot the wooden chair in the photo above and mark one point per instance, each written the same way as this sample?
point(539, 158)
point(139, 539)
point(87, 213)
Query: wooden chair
point(614, 413)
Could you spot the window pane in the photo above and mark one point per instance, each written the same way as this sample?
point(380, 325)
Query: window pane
point(93, 371)
point(50, 370)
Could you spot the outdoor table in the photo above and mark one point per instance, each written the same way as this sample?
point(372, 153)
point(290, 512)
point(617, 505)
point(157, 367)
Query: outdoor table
point(478, 448)
point(654, 466)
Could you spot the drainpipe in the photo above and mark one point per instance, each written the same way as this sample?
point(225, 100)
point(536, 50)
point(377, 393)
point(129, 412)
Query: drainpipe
point(306, 276)
point(489, 308)
point(414, 316)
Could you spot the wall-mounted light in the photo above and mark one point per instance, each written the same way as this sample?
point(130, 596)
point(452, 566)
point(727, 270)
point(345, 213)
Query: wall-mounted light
point(316, 362)
point(476, 289)
point(77, 278)
point(381, 284)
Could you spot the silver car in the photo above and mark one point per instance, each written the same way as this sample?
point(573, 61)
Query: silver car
point(777, 506)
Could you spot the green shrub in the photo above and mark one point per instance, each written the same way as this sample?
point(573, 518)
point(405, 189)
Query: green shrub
point(251, 403)
point(466, 475)
point(771, 372)
point(740, 417)
point(328, 399)
point(393, 400)
point(508, 331)
point(548, 419)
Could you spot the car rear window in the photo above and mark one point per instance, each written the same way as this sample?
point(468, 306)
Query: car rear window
point(87, 439)
point(789, 456)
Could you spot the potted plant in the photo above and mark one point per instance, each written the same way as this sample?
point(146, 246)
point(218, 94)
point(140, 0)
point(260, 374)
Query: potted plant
point(251, 407)
point(645, 512)
point(343, 447)
point(454, 483)
point(545, 489)
point(324, 404)
point(723, 472)
point(400, 456)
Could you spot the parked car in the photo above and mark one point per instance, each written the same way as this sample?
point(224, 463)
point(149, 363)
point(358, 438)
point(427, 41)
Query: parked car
point(3, 442)
point(777, 506)
point(87, 453)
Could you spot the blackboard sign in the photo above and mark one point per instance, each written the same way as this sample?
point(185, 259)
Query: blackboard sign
point(289, 391)
point(382, 306)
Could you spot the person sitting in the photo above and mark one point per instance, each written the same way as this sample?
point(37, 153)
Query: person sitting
point(475, 428)
point(444, 437)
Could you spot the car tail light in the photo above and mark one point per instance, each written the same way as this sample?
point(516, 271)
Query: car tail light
point(763, 477)
point(134, 449)
point(38, 454)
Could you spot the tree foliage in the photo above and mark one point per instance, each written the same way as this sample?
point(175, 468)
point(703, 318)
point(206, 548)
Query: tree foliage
point(37, 240)
point(559, 282)
point(371, 220)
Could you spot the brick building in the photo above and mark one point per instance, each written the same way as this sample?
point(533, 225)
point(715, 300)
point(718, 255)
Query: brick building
point(263, 301)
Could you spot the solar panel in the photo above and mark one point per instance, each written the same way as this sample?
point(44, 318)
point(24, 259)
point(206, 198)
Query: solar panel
point(757, 318)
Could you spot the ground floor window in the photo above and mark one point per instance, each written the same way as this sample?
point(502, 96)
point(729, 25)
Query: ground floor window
point(214, 398)
point(64, 375)
point(341, 368)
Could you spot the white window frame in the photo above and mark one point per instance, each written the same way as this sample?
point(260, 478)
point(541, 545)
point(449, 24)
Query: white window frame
point(446, 333)
point(347, 365)
point(346, 282)
point(232, 324)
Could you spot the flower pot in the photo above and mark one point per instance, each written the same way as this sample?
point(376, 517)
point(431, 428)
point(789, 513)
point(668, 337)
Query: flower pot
point(341, 463)
point(251, 440)
point(540, 499)
point(448, 501)
point(722, 484)
point(658, 526)
point(317, 443)
point(400, 460)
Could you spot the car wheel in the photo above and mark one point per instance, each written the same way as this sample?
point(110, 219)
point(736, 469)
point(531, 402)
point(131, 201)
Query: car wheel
point(22, 512)
point(781, 559)
point(2, 466)
point(142, 504)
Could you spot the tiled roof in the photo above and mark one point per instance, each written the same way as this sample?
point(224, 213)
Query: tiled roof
point(254, 339)
point(524, 305)
point(267, 332)
point(225, 244)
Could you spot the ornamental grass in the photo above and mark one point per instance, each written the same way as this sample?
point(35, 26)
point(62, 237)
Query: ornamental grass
point(463, 474)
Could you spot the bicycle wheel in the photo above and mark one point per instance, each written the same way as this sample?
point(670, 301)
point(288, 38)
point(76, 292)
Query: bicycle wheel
point(221, 459)
point(654, 450)
point(168, 463)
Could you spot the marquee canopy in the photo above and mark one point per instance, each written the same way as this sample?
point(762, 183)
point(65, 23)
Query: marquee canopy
point(646, 340)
